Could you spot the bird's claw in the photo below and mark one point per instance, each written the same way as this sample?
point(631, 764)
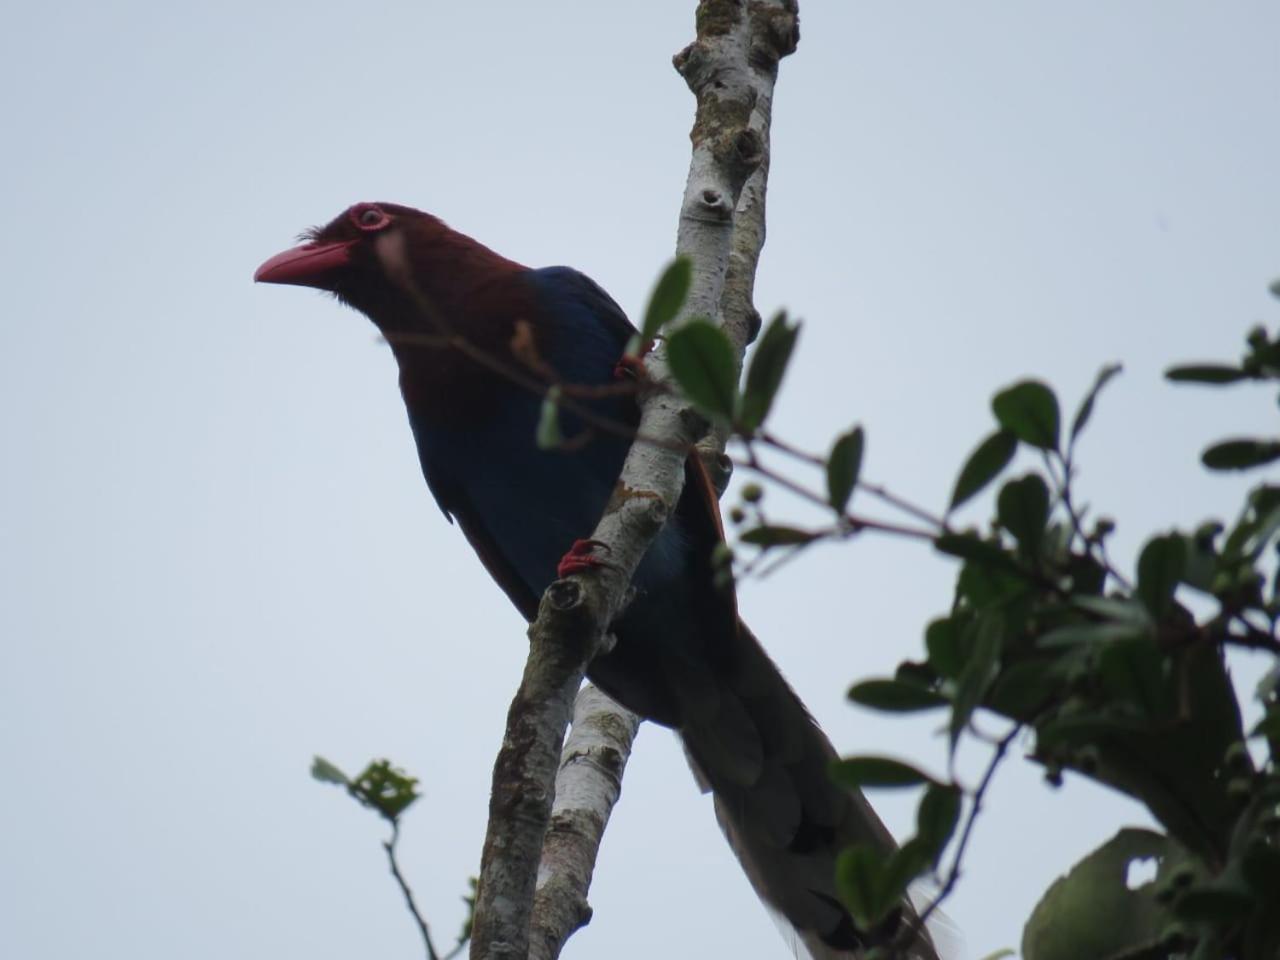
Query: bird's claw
point(579, 558)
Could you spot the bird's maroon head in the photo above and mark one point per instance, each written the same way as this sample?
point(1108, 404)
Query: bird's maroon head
point(334, 251)
point(387, 261)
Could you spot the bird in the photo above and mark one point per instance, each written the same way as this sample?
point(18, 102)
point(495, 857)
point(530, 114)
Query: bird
point(479, 339)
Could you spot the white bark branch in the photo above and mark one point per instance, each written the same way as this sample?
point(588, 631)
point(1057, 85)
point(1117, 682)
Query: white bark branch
point(730, 68)
point(587, 786)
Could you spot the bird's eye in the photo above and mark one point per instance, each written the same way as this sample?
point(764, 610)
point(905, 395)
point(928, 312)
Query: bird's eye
point(366, 216)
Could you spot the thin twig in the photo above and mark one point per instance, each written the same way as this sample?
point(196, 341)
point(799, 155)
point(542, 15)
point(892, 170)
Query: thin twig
point(1077, 518)
point(782, 446)
point(390, 847)
point(856, 523)
point(876, 490)
point(1252, 639)
point(910, 932)
point(881, 492)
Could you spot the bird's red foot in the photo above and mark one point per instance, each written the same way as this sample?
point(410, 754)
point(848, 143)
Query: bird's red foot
point(579, 558)
point(630, 366)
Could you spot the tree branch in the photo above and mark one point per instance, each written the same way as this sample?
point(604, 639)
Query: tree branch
point(561, 642)
point(730, 68)
point(587, 787)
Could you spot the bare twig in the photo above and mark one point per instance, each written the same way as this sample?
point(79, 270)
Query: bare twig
point(909, 931)
point(1064, 491)
point(854, 523)
point(390, 847)
point(883, 493)
point(1252, 637)
point(876, 490)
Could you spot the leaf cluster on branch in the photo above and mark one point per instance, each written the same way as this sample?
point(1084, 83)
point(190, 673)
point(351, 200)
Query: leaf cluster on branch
point(1113, 677)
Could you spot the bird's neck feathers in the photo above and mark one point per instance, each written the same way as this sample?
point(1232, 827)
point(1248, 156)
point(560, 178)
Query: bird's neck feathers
point(442, 286)
point(430, 277)
point(448, 267)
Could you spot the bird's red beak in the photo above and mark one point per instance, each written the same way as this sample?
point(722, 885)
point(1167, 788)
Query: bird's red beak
point(307, 266)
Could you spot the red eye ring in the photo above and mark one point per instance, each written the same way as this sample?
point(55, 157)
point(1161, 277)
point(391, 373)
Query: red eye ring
point(369, 217)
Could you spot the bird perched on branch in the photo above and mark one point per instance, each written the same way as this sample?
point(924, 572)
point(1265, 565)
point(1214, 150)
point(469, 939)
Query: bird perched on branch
point(479, 339)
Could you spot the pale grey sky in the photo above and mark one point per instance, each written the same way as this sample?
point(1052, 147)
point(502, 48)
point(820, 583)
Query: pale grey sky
point(217, 556)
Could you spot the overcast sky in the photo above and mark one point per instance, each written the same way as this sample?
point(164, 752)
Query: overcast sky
point(217, 557)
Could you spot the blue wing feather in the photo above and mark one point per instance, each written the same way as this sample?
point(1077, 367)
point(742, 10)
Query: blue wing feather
point(492, 477)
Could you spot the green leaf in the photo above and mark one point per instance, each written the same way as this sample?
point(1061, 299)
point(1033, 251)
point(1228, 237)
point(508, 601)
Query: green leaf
point(548, 436)
point(1261, 869)
point(861, 880)
point(764, 375)
point(1029, 410)
point(387, 789)
point(1268, 687)
point(1212, 373)
point(778, 536)
point(1214, 903)
point(1025, 688)
point(1160, 567)
point(1023, 509)
point(895, 696)
point(1202, 557)
point(843, 466)
point(969, 547)
point(1268, 726)
point(1268, 523)
point(1087, 632)
point(942, 640)
point(1086, 405)
point(1135, 671)
point(861, 772)
point(1092, 912)
point(1117, 609)
point(669, 295)
point(326, 772)
point(1088, 576)
point(937, 817)
point(903, 866)
point(702, 362)
point(1066, 732)
point(983, 465)
point(1240, 454)
point(979, 671)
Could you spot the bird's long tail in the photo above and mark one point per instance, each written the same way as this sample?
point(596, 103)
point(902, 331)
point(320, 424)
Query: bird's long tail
point(759, 752)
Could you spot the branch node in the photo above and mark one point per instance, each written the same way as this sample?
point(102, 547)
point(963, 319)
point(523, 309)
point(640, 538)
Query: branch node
point(717, 17)
point(693, 423)
point(681, 60)
point(693, 62)
point(713, 203)
point(750, 148)
point(564, 595)
point(777, 33)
